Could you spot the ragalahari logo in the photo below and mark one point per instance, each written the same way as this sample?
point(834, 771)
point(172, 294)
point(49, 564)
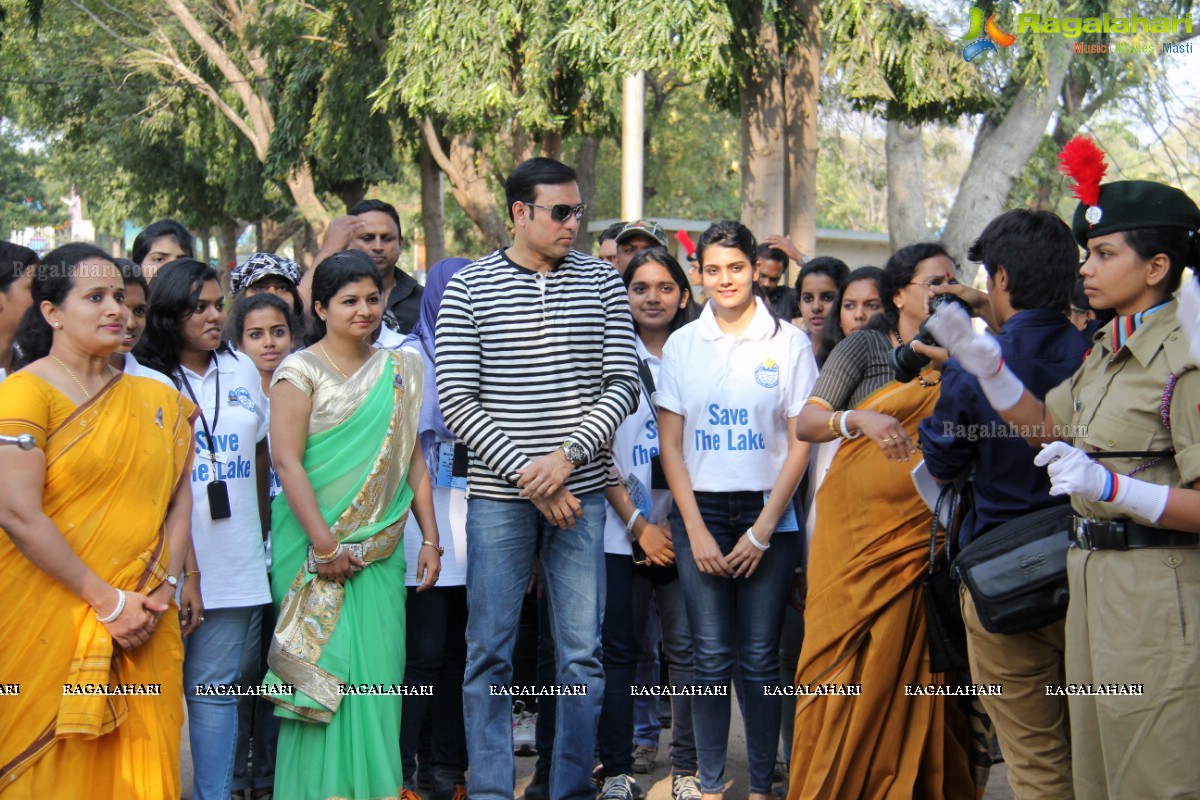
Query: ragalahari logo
point(983, 37)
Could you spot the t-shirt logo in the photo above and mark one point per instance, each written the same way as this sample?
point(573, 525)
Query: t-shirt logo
point(767, 374)
point(242, 398)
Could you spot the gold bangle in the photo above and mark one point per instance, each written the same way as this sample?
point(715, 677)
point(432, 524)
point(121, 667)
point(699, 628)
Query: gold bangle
point(327, 557)
point(832, 428)
point(441, 551)
point(190, 573)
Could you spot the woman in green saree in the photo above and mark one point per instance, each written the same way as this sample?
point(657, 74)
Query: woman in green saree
point(344, 444)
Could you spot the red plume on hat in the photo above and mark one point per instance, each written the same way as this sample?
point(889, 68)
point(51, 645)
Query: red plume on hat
point(1083, 162)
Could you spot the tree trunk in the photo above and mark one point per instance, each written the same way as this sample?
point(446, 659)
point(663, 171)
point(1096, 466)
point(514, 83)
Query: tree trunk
point(433, 212)
point(552, 145)
point(585, 168)
point(1001, 149)
point(906, 184)
point(802, 91)
point(308, 203)
point(227, 247)
point(1070, 120)
point(203, 245)
point(273, 234)
point(467, 168)
point(764, 132)
point(351, 192)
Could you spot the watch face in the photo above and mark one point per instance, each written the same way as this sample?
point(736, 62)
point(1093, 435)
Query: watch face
point(576, 454)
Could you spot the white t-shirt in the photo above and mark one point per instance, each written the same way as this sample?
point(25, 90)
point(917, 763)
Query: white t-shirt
point(735, 394)
point(634, 444)
point(389, 340)
point(230, 552)
point(450, 510)
point(134, 367)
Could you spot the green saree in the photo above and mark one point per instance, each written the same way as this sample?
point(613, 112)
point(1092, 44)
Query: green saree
point(334, 743)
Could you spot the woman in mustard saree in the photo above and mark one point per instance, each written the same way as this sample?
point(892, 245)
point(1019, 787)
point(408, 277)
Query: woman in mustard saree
point(344, 443)
point(96, 522)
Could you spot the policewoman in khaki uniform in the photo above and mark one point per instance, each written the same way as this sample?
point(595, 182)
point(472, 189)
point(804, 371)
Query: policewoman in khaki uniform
point(1122, 437)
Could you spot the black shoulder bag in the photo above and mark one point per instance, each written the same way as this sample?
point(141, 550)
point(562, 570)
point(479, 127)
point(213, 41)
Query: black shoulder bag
point(943, 619)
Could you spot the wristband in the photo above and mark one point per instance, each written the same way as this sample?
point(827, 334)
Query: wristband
point(1140, 498)
point(1002, 389)
point(116, 613)
point(842, 426)
point(757, 544)
point(637, 512)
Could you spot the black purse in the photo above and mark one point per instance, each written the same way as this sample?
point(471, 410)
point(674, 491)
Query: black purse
point(1017, 572)
point(943, 618)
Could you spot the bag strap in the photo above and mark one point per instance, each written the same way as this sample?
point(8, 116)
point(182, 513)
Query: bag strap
point(647, 385)
point(947, 491)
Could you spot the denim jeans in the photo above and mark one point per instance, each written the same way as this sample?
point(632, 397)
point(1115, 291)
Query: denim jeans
point(502, 537)
point(663, 604)
point(258, 727)
point(735, 621)
point(646, 726)
point(213, 655)
point(436, 656)
point(621, 646)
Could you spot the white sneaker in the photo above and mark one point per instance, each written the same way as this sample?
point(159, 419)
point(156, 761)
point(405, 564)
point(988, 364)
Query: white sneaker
point(685, 787)
point(524, 730)
point(618, 787)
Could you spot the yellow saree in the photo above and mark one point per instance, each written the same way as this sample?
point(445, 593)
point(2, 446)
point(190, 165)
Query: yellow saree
point(112, 465)
point(865, 625)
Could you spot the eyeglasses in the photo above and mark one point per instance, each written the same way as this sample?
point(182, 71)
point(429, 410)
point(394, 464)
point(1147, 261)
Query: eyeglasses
point(934, 282)
point(560, 211)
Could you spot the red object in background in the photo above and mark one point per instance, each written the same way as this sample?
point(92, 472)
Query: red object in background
point(1082, 161)
point(686, 241)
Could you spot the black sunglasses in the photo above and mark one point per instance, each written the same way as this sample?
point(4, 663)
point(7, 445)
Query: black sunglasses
point(560, 211)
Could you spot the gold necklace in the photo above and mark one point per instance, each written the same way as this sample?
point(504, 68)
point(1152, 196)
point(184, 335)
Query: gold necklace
point(331, 362)
point(72, 374)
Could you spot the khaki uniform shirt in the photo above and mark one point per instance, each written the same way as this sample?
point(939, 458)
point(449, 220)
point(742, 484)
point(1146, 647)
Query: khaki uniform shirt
point(1114, 402)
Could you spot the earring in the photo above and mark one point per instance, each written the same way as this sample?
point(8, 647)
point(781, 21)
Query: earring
point(56, 324)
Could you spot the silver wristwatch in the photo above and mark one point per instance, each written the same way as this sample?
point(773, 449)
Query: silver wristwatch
point(574, 452)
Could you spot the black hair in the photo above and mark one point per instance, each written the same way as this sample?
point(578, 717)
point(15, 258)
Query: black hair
point(835, 268)
point(157, 230)
point(735, 235)
point(610, 233)
point(522, 183)
point(132, 273)
point(898, 273)
point(1037, 251)
point(768, 253)
point(365, 206)
point(174, 294)
point(15, 259)
point(1180, 245)
point(660, 256)
point(53, 278)
point(831, 332)
point(348, 266)
point(257, 302)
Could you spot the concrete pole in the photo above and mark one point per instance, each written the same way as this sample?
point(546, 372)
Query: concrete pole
point(633, 110)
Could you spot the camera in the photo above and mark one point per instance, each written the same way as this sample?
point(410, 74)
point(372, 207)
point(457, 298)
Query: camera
point(907, 363)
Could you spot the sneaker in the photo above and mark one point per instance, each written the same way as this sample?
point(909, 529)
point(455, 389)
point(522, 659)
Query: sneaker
point(644, 756)
point(685, 787)
point(618, 787)
point(524, 730)
point(539, 785)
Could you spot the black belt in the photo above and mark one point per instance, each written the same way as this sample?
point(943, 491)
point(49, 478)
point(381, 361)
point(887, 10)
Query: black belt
point(1115, 534)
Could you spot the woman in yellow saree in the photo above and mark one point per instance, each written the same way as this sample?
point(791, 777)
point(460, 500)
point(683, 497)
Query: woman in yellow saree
point(864, 623)
point(344, 442)
point(96, 518)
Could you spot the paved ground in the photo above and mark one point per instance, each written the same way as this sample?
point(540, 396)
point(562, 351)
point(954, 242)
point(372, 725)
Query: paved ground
point(658, 783)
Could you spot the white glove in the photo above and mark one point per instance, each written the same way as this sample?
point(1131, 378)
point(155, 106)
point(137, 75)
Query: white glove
point(1189, 314)
point(1072, 472)
point(977, 353)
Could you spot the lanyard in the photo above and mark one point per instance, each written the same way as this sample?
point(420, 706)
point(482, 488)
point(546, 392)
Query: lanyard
point(208, 433)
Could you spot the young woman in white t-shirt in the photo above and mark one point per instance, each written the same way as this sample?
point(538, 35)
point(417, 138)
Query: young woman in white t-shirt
point(731, 386)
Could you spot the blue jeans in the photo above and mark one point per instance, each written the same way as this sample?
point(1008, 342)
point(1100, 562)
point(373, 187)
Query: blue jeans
point(213, 655)
point(258, 727)
point(735, 621)
point(664, 603)
point(646, 726)
point(502, 538)
point(436, 654)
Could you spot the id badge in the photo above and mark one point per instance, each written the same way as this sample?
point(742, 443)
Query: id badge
point(446, 477)
point(638, 494)
point(218, 500)
point(787, 520)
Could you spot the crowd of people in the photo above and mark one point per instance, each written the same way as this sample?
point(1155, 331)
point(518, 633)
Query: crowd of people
point(324, 518)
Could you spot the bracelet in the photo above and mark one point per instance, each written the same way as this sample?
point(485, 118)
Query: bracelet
point(759, 545)
point(842, 426)
point(441, 551)
point(637, 512)
point(332, 555)
point(833, 429)
point(113, 616)
point(190, 573)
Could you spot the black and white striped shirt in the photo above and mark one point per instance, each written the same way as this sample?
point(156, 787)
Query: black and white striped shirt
point(526, 360)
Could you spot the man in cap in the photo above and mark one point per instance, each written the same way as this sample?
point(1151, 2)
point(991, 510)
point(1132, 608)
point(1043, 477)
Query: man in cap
point(635, 236)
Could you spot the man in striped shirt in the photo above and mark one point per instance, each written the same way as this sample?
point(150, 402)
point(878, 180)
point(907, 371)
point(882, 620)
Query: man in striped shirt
point(536, 369)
